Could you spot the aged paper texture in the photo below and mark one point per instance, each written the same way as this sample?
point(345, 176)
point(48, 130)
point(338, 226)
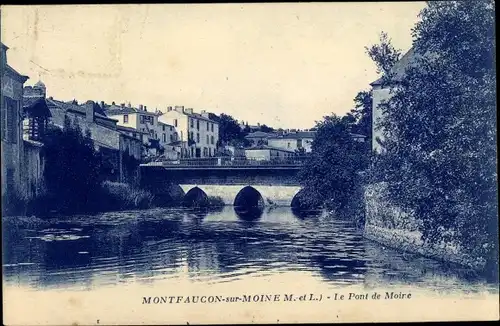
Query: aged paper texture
point(249, 163)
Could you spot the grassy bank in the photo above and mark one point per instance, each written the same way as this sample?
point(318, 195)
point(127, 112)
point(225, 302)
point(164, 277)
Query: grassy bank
point(110, 196)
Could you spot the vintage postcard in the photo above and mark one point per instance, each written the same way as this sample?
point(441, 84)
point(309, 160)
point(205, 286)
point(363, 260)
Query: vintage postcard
point(249, 163)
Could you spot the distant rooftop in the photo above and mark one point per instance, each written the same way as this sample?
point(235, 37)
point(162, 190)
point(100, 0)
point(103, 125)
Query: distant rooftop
point(259, 134)
point(295, 135)
point(399, 68)
point(114, 109)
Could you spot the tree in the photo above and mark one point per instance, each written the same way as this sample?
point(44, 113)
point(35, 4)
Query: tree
point(265, 128)
point(440, 128)
point(229, 129)
point(72, 168)
point(383, 54)
point(330, 176)
point(362, 114)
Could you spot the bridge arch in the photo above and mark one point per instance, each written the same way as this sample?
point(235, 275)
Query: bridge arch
point(272, 195)
point(249, 197)
point(195, 197)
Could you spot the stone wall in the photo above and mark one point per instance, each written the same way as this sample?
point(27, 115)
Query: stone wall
point(395, 228)
point(33, 169)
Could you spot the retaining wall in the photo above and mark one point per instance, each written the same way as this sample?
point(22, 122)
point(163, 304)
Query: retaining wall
point(393, 227)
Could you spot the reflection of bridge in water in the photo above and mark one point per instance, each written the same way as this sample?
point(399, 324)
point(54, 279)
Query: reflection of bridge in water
point(237, 182)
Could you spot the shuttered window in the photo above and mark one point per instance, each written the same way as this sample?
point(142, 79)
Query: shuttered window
point(12, 126)
point(3, 113)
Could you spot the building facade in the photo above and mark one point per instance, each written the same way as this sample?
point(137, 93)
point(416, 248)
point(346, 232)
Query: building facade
point(12, 144)
point(198, 134)
point(148, 124)
point(293, 141)
point(268, 153)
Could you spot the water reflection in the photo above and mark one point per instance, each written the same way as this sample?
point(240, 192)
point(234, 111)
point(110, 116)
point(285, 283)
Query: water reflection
point(249, 213)
point(145, 246)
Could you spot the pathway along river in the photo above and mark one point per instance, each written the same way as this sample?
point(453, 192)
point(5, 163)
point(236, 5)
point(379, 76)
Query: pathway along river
point(150, 246)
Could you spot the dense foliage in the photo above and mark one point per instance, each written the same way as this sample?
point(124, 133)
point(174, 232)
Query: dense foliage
point(361, 114)
point(72, 167)
point(440, 127)
point(331, 177)
point(230, 132)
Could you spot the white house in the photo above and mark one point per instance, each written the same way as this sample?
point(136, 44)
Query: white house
point(293, 141)
point(267, 153)
point(382, 92)
point(197, 133)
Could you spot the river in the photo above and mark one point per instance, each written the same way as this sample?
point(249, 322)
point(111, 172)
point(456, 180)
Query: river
point(146, 247)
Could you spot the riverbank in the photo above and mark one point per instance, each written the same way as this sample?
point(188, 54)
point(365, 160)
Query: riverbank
point(109, 197)
point(394, 228)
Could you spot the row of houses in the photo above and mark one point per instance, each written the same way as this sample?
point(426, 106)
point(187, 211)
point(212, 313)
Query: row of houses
point(276, 145)
point(179, 131)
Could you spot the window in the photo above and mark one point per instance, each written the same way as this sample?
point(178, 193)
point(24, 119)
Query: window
point(141, 119)
point(208, 126)
point(209, 151)
point(176, 137)
point(175, 122)
point(163, 127)
point(198, 137)
point(125, 118)
point(192, 122)
point(191, 135)
point(208, 142)
point(171, 138)
point(288, 145)
point(197, 124)
point(299, 143)
point(212, 140)
point(10, 120)
point(212, 126)
point(164, 138)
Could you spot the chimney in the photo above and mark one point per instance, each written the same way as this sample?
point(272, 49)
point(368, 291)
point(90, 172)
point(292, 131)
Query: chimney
point(102, 104)
point(189, 111)
point(89, 111)
point(140, 107)
point(145, 108)
point(169, 108)
point(179, 108)
point(113, 103)
point(129, 105)
point(122, 105)
point(204, 113)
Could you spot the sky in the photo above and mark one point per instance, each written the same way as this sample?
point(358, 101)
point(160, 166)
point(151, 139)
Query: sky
point(284, 65)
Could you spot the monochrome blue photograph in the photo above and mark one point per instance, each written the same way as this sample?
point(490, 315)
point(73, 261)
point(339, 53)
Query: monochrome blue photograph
point(249, 163)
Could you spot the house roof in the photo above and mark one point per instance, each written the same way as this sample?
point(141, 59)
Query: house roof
point(399, 68)
point(13, 73)
point(118, 110)
point(261, 147)
point(164, 123)
point(69, 106)
point(295, 135)
point(258, 134)
point(199, 116)
point(129, 129)
point(36, 106)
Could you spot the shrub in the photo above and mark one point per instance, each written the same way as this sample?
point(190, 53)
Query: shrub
point(117, 196)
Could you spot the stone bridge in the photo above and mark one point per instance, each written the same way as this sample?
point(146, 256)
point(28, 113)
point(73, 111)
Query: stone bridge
point(235, 185)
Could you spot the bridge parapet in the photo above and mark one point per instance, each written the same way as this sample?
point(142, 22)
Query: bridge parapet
point(214, 162)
